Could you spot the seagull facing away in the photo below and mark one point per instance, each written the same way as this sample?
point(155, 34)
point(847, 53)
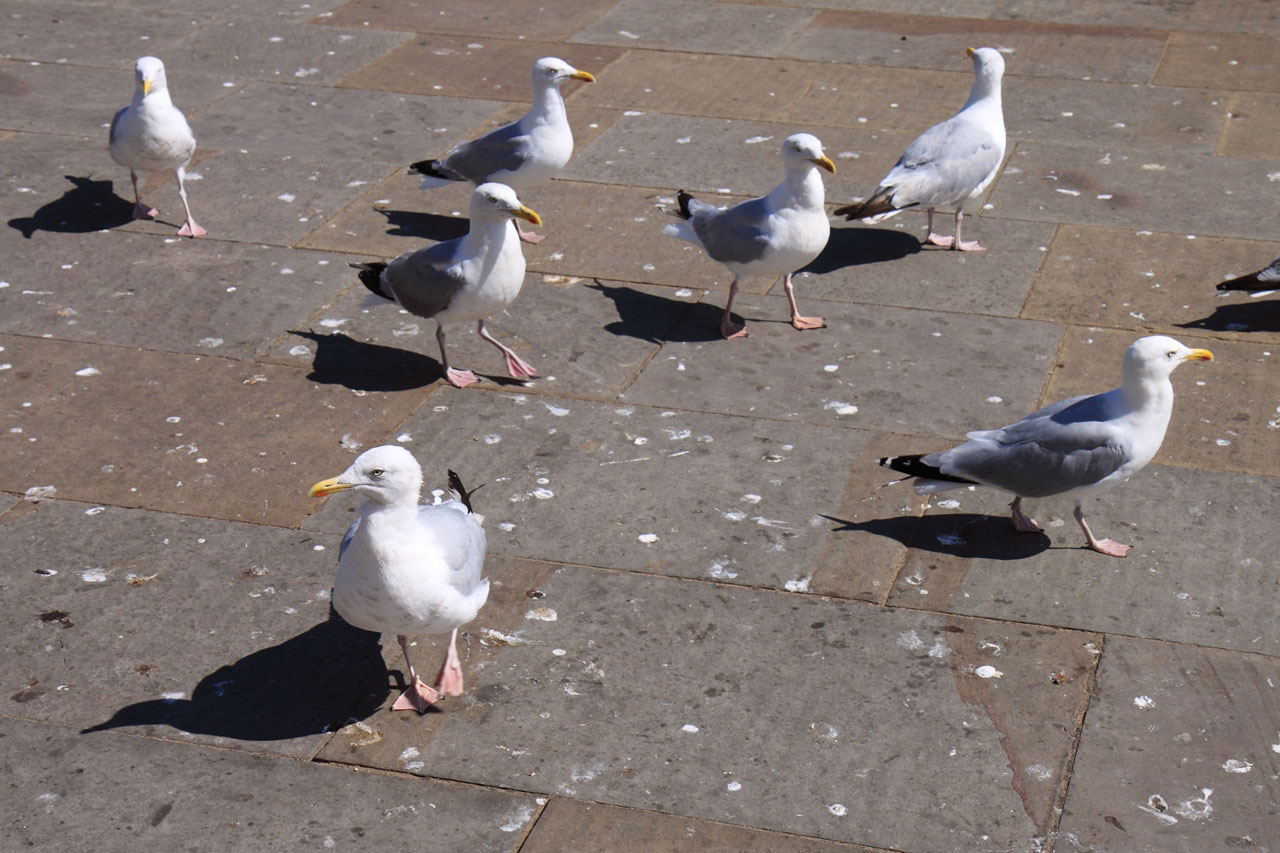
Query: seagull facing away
point(1262, 281)
point(405, 568)
point(467, 278)
point(519, 154)
point(951, 163)
point(152, 135)
point(773, 235)
point(1071, 447)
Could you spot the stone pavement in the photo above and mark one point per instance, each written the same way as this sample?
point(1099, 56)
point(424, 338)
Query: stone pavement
point(713, 625)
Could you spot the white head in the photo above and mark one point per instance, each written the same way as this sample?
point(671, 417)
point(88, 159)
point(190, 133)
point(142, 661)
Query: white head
point(552, 71)
point(386, 474)
point(1156, 356)
point(988, 66)
point(801, 150)
point(494, 201)
point(148, 73)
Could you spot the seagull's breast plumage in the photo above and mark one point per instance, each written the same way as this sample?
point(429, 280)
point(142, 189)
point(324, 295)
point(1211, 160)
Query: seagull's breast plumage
point(152, 137)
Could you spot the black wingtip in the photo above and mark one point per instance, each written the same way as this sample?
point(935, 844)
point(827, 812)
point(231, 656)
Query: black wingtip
point(1248, 282)
point(371, 277)
point(432, 169)
point(455, 485)
point(915, 466)
point(683, 198)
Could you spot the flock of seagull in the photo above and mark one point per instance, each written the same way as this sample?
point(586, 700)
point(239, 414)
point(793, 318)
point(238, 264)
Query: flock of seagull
point(405, 568)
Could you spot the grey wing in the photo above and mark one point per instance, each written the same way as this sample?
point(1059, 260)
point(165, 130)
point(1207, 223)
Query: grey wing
point(460, 538)
point(735, 235)
point(1271, 272)
point(945, 162)
point(424, 282)
point(115, 122)
point(506, 148)
point(347, 537)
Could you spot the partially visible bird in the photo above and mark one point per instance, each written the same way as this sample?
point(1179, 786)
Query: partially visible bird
point(152, 135)
point(519, 154)
point(951, 163)
point(405, 568)
point(774, 235)
point(1265, 279)
point(467, 278)
point(1071, 447)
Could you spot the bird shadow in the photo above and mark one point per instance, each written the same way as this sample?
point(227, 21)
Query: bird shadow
point(363, 366)
point(313, 683)
point(964, 534)
point(849, 247)
point(427, 226)
point(1253, 316)
point(655, 318)
point(88, 205)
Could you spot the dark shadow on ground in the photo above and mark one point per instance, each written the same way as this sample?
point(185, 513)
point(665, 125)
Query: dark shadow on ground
point(1258, 315)
point(362, 366)
point(655, 318)
point(315, 682)
point(848, 247)
point(425, 226)
point(965, 535)
point(88, 206)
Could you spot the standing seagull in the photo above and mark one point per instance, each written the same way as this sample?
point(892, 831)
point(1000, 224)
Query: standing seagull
point(773, 235)
point(1071, 447)
point(405, 568)
point(1264, 280)
point(951, 163)
point(519, 154)
point(467, 278)
point(152, 135)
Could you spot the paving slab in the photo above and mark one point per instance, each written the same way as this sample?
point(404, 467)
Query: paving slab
point(958, 8)
point(261, 10)
point(283, 51)
point(881, 368)
point(179, 295)
point(1199, 572)
point(586, 339)
point(70, 790)
point(701, 28)
point(653, 705)
point(1253, 126)
point(1143, 280)
point(1137, 190)
point(459, 67)
point(750, 497)
point(1248, 16)
point(1176, 752)
point(551, 20)
point(1224, 409)
point(60, 32)
point(1241, 62)
point(566, 823)
point(224, 442)
point(1032, 49)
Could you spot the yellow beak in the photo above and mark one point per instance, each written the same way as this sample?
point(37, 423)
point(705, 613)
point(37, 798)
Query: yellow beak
point(969, 52)
point(1198, 355)
point(582, 75)
point(824, 162)
point(527, 215)
point(328, 487)
point(146, 87)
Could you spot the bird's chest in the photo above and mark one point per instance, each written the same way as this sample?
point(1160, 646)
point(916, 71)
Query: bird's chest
point(496, 286)
point(385, 583)
point(796, 237)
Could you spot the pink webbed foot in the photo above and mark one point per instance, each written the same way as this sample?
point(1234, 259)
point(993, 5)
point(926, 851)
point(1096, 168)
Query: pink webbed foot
point(450, 681)
point(1021, 522)
point(419, 697)
point(729, 329)
point(142, 211)
point(939, 240)
point(191, 229)
point(530, 237)
point(1109, 547)
point(459, 378)
point(517, 368)
point(969, 246)
point(803, 323)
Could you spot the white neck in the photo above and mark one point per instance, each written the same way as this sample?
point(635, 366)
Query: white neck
point(802, 187)
point(158, 97)
point(984, 89)
point(548, 105)
point(1147, 391)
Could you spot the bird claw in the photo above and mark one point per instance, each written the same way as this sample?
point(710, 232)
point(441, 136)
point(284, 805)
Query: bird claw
point(939, 240)
point(730, 329)
point(191, 229)
point(519, 369)
point(803, 323)
point(142, 211)
point(971, 246)
point(419, 697)
point(1110, 547)
point(459, 378)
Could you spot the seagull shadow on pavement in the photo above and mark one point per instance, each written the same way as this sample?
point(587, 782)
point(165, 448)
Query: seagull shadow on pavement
point(425, 226)
point(849, 247)
point(88, 206)
point(313, 683)
point(1257, 315)
point(362, 366)
point(963, 534)
point(655, 318)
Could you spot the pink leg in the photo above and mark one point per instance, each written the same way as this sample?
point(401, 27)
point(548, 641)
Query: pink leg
point(1020, 522)
point(960, 245)
point(799, 322)
point(450, 681)
point(456, 378)
point(419, 697)
point(527, 236)
point(937, 239)
point(189, 228)
point(516, 367)
point(728, 328)
point(140, 210)
point(1102, 546)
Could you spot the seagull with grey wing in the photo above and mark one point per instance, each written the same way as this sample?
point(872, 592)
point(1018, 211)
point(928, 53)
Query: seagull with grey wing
point(1259, 283)
point(467, 278)
point(1071, 447)
point(519, 154)
point(951, 163)
point(774, 235)
point(152, 135)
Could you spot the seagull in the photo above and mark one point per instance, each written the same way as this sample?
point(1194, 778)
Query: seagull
point(405, 568)
point(519, 154)
point(951, 163)
point(1261, 282)
point(1071, 447)
point(467, 278)
point(152, 135)
point(773, 235)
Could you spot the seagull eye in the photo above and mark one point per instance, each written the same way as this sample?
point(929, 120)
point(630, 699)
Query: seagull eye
point(1172, 353)
point(376, 473)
